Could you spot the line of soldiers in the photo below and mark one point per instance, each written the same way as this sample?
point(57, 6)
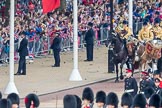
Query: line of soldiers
point(13, 101)
point(111, 100)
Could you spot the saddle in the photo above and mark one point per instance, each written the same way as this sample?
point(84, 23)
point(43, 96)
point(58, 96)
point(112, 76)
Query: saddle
point(152, 50)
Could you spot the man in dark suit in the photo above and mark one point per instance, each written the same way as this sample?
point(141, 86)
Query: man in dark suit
point(56, 47)
point(23, 52)
point(89, 38)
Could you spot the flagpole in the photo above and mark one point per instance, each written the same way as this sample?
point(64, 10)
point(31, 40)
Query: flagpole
point(131, 14)
point(75, 75)
point(11, 88)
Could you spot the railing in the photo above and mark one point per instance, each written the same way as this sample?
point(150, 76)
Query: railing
point(41, 46)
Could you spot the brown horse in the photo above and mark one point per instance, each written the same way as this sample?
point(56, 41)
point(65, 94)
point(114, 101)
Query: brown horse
point(146, 54)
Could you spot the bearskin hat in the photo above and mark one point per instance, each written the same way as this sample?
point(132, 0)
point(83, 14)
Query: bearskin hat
point(88, 94)
point(101, 97)
point(70, 101)
point(139, 101)
point(127, 100)
point(79, 101)
point(155, 101)
point(14, 98)
point(148, 92)
point(31, 98)
point(5, 103)
point(0, 95)
point(112, 99)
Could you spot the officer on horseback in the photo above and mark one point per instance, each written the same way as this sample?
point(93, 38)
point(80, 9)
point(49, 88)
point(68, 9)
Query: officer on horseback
point(124, 32)
point(145, 34)
point(157, 30)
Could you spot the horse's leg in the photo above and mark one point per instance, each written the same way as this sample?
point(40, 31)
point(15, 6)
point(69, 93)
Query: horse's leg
point(117, 79)
point(121, 67)
point(132, 68)
point(127, 63)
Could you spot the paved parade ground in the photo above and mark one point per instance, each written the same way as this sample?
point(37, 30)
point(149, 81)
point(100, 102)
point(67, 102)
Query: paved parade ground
point(43, 79)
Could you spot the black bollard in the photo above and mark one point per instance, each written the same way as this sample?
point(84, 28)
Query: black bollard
point(110, 60)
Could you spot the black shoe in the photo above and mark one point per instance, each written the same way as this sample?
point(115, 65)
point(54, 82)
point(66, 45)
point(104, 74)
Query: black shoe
point(23, 73)
point(55, 66)
point(88, 60)
point(17, 73)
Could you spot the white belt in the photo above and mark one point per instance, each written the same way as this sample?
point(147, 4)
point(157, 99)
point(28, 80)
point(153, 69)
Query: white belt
point(130, 90)
point(142, 92)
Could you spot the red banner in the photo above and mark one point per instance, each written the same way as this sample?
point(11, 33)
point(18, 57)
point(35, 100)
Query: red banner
point(50, 5)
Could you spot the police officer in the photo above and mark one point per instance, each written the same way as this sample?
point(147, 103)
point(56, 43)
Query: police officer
point(145, 34)
point(130, 83)
point(145, 81)
point(56, 47)
point(157, 30)
point(89, 38)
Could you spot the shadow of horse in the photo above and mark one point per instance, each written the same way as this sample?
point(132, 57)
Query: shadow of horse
point(120, 54)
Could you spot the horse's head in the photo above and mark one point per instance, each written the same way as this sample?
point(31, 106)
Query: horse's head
point(112, 38)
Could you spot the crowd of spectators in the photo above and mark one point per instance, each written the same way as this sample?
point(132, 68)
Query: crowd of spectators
point(39, 27)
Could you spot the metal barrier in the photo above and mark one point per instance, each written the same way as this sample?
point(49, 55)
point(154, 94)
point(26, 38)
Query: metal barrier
point(41, 46)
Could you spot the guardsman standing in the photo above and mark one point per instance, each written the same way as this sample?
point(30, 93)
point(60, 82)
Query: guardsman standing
point(145, 34)
point(112, 100)
point(88, 98)
point(157, 30)
point(145, 82)
point(126, 100)
point(101, 99)
point(130, 83)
